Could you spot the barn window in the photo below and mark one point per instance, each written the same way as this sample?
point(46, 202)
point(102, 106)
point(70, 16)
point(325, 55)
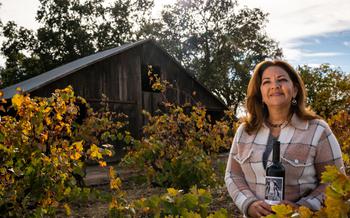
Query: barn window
point(149, 74)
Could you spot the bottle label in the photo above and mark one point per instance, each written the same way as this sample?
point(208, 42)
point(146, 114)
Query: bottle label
point(274, 190)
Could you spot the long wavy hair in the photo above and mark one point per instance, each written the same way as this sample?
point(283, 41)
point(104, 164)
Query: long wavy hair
point(257, 110)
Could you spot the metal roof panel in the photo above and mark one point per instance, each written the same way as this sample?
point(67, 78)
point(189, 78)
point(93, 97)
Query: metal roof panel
point(64, 70)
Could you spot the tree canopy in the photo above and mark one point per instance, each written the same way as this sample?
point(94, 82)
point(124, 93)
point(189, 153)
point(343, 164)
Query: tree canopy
point(69, 29)
point(328, 89)
point(216, 40)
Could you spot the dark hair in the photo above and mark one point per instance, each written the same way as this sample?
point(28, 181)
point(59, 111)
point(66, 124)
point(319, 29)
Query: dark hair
point(257, 112)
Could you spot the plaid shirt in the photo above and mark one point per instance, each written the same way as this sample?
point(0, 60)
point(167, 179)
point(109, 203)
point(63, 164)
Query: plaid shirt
point(306, 148)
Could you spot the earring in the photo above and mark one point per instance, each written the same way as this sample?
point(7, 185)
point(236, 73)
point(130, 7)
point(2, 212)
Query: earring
point(294, 101)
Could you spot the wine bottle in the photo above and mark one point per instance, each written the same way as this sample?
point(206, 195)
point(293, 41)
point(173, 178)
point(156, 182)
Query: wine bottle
point(275, 176)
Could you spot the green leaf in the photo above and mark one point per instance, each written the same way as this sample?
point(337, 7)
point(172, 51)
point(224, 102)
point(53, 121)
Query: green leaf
point(222, 213)
point(120, 136)
point(190, 201)
point(330, 174)
point(2, 137)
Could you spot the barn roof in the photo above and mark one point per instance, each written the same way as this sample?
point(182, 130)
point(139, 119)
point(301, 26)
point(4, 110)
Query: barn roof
point(43, 79)
point(64, 70)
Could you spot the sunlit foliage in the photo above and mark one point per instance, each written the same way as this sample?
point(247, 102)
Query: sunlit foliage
point(175, 148)
point(175, 203)
point(43, 148)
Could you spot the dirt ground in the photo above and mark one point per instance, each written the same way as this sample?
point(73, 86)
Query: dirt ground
point(97, 178)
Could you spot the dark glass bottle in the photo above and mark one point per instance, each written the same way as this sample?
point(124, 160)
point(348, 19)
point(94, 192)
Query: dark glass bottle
point(275, 176)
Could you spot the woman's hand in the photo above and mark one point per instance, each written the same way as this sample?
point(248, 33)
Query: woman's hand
point(259, 208)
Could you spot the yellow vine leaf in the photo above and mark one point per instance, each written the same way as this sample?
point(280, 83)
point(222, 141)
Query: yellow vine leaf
point(113, 204)
point(201, 191)
point(78, 146)
point(102, 163)
point(329, 175)
point(172, 191)
point(115, 184)
point(336, 207)
point(68, 89)
point(305, 212)
point(44, 136)
point(111, 172)
point(109, 153)
point(67, 209)
point(58, 116)
point(47, 110)
point(75, 156)
point(282, 210)
point(17, 100)
point(48, 121)
point(95, 152)
point(46, 159)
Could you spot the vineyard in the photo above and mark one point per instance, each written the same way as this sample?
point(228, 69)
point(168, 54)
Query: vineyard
point(174, 170)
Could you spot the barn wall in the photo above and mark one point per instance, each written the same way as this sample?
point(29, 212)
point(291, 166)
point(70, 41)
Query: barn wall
point(185, 88)
point(118, 77)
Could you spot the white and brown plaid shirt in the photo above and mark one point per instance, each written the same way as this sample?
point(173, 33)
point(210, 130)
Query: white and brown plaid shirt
point(306, 148)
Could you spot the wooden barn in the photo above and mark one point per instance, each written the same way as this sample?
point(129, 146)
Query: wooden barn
point(121, 74)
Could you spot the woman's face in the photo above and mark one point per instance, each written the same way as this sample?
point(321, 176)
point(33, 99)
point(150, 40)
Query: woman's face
point(277, 89)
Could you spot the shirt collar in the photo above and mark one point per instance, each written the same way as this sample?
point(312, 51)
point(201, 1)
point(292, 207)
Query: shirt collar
point(298, 123)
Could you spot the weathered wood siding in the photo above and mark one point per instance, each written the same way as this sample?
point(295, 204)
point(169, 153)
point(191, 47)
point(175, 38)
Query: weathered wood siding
point(119, 78)
point(185, 88)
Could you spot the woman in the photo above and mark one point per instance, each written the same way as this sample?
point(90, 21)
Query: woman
point(276, 111)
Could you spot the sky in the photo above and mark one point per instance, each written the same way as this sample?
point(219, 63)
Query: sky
point(309, 32)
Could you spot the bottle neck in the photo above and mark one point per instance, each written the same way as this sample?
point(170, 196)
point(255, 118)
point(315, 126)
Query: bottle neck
point(276, 152)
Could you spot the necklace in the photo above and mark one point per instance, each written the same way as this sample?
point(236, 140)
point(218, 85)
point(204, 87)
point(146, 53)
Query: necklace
point(275, 125)
point(279, 125)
